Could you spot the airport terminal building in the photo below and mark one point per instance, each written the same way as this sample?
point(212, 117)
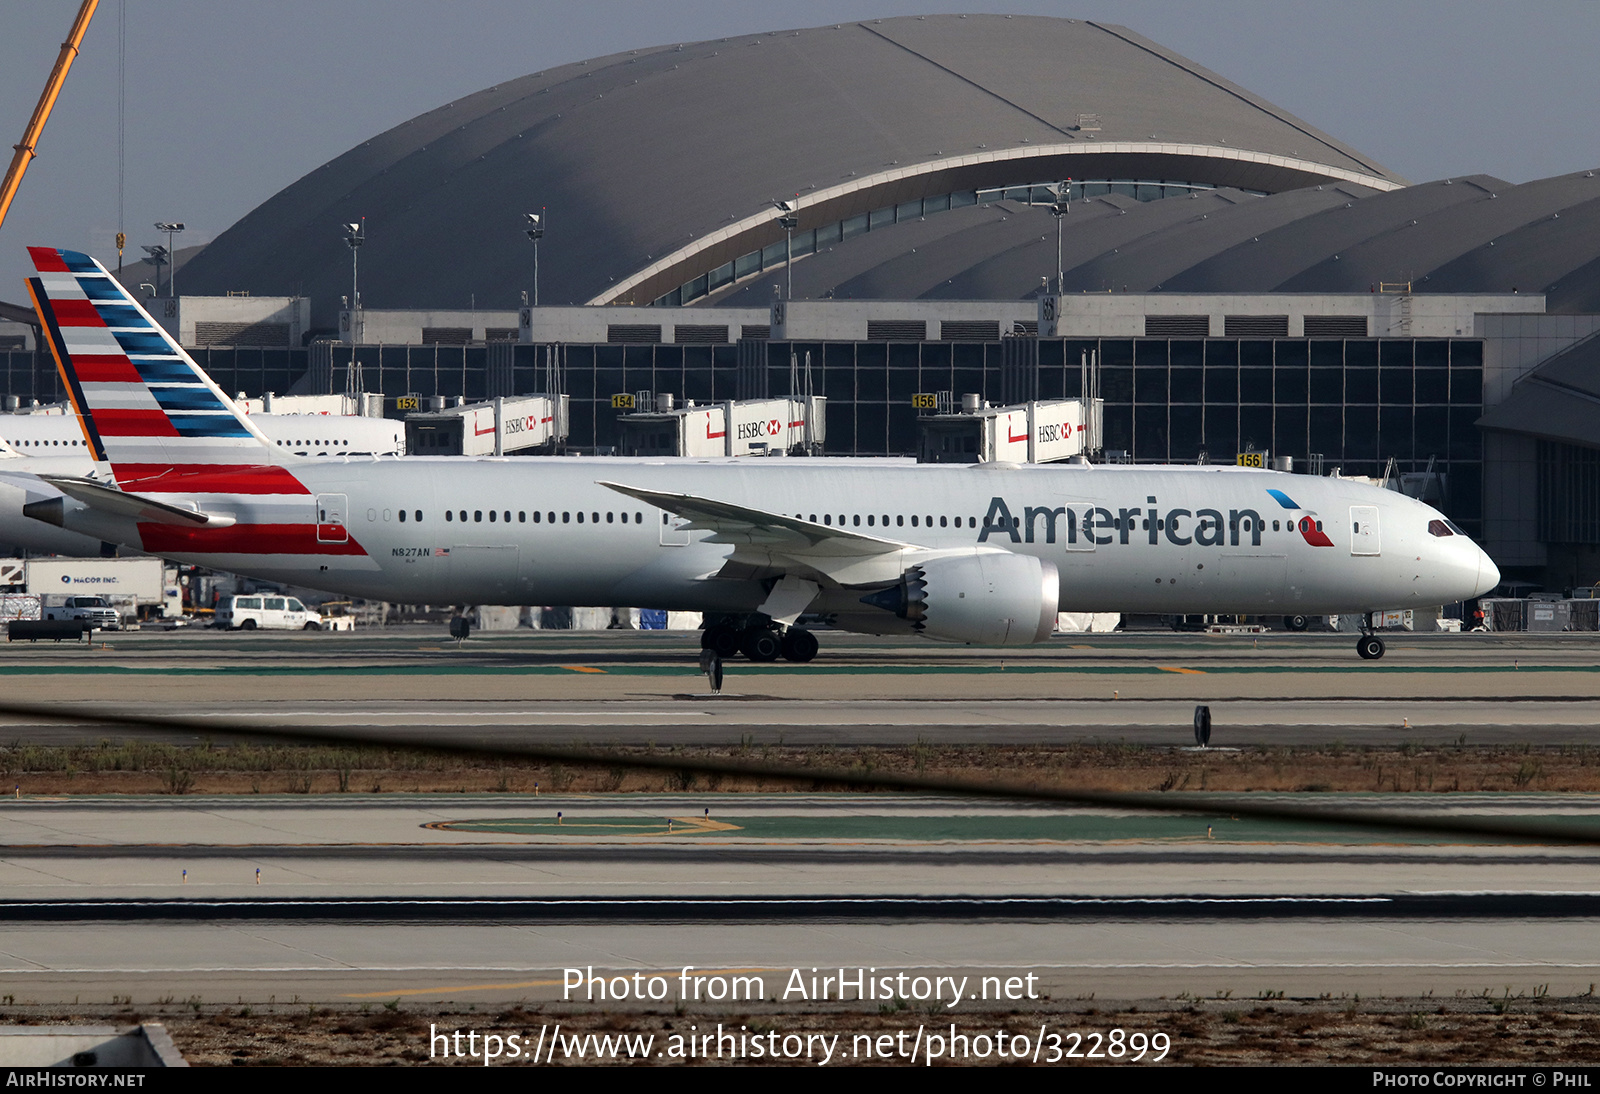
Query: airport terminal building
point(1239, 279)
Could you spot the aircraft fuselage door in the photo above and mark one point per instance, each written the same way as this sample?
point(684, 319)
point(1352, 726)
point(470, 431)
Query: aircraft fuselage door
point(673, 532)
point(1364, 538)
point(330, 518)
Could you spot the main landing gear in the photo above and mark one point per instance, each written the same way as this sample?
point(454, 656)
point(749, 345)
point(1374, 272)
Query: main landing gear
point(1369, 646)
point(760, 641)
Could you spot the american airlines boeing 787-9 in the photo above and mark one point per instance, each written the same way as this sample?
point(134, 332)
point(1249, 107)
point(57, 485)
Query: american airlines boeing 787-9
point(983, 554)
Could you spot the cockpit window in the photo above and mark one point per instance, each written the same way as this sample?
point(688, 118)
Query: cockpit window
point(1442, 528)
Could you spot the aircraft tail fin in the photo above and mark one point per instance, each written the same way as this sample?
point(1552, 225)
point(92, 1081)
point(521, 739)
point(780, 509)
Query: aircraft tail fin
point(145, 406)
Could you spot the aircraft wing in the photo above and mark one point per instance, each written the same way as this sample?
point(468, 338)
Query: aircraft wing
point(774, 545)
point(97, 495)
point(739, 524)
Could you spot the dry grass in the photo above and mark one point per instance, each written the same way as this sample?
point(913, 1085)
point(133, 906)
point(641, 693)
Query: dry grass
point(116, 767)
point(1458, 1032)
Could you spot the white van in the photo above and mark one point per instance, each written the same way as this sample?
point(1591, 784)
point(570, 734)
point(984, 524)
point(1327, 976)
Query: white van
point(246, 613)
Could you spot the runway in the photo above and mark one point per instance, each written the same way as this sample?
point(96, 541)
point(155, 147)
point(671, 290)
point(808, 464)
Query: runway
point(487, 898)
point(632, 688)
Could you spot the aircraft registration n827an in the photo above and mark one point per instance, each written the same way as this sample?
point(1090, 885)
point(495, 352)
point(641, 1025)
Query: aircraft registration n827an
point(982, 554)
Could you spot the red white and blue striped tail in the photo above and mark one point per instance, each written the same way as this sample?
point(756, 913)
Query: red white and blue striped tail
point(145, 406)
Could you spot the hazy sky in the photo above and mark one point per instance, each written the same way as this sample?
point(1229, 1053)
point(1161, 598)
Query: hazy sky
point(227, 102)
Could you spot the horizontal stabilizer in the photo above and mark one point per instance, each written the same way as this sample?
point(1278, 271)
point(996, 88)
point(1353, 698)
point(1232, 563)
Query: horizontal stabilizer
point(119, 503)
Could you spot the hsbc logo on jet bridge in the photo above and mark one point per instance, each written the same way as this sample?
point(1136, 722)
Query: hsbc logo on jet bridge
point(750, 430)
point(524, 425)
point(1093, 525)
point(1050, 433)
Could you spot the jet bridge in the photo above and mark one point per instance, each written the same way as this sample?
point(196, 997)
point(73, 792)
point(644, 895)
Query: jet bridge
point(1035, 432)
point(524, 424)
point(750, 427)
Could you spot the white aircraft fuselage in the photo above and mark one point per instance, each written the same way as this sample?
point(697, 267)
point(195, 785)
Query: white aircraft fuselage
point(543, 530)
point(983, 553)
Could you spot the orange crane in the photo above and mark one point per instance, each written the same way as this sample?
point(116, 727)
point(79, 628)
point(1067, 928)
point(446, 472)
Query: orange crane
point(41, 113)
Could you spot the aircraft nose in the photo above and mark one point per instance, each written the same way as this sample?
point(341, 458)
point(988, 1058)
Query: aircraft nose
point(1488, 573)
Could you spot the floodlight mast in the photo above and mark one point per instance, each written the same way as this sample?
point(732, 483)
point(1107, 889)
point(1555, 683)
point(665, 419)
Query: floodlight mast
point(1059, 209)
point(535, 232)
point(789, 220)
point(172, 228)
point(355, 234)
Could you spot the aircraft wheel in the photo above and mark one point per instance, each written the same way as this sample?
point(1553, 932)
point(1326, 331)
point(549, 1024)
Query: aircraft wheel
point(799, 645)
point(248, 625)
point(722, 639)
point(1370, 647)
point(1296, 622)
point(760, 644)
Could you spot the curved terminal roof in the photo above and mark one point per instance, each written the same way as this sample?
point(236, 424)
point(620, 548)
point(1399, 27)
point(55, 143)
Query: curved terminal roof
point(1469, 235)
point(657, 166)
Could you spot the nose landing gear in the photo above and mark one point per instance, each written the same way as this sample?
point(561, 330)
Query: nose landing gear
point(1369, 646)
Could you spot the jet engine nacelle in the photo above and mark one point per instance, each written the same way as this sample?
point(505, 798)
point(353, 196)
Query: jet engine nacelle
point(990, 599)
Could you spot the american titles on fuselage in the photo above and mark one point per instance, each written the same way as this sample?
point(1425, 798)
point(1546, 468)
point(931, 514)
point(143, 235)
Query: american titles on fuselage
point(1090, 525)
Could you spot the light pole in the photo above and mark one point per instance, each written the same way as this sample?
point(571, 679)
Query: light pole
point(172, 228)
point(158, 258)
point(789, 219)
point(1059, 209)
point(535, 232)
point(354, 236)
